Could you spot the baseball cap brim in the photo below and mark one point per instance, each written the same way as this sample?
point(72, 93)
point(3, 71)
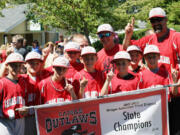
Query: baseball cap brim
point(161, 16)
point(72, 50)
point(34, 59)
point(112, 61)
point(15, 62)
point(60, 66)
point(88, 53)
point(104, 31)
point(151, 52)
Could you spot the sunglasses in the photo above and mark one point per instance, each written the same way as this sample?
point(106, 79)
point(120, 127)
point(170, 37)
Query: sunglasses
point(158, 19)
point(101, 35)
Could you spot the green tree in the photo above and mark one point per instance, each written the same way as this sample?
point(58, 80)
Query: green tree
point(82, 16)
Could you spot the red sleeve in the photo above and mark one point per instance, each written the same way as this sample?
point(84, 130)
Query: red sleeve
point(1, 90)
point(40, 90)
point(141, 42)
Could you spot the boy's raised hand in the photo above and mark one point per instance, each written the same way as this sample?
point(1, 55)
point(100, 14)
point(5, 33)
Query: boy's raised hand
point(110, 75)
point(68, 86)
point(83, 82)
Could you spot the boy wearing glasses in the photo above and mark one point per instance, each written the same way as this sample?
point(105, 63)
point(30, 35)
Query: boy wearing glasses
point(123, 80)
point(72, 53)
point(88, 82)
point(168, 41)
point(12, 96)
point(110, 48)
point(56, 88)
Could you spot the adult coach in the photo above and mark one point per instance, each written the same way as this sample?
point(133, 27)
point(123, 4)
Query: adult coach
point(110, 48)
point(168, 41)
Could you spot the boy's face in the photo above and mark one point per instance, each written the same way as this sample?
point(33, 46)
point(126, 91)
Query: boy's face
point(33, 66)
point(59, 72)
point(135, 57)
point(89, 60)
point(15, 68)
point(122, 65)
point(152, 60)
point(72, 56)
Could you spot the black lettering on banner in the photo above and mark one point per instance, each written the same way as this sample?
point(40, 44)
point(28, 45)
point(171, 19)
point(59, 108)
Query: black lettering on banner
point(55, 123)
point(75, 120)
point(62, 121)
point(93, 118)
point(48, 125)
point(83, 118)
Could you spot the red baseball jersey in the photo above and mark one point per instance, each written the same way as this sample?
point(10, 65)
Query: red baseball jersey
point(150, 79)
point(128, 83)
point(53, 92)
point(105, 57)
point(168, 52)
point(12, 96)
point(95, 83)
point(73, 69)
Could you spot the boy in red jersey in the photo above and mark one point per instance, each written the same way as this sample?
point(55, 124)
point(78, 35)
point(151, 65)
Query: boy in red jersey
point(12, 96)
point(88, 82)
point(136, 57)
point(154, 75)
point(72, 53)
point(123, 80)
point(57, 88)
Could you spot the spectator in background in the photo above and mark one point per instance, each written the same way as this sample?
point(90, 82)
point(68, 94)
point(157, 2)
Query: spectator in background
point(61, 39)
point(36, 47)
point(27, 47)
point(17, 42)
point(3, 53)
point(80, 39)
point(51, 52)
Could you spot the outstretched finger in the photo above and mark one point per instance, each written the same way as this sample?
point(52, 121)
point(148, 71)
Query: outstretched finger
point(132, 21)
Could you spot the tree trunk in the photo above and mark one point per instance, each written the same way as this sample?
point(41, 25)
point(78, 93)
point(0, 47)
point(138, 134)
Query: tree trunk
point(86, 32)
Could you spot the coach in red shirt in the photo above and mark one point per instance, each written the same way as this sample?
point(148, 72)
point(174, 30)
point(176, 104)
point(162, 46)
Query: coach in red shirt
point(105, 55)
point(168, 41)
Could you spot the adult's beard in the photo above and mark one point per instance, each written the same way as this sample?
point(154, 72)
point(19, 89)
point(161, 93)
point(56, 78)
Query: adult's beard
point(158, 28)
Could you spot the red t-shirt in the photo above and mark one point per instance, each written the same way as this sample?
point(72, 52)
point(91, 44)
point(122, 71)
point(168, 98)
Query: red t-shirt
point(130, 82)
point(73, 69)
point(166, 47)
point(12, 96)
point(53, 92)
point(151, 80)
point(95, 83)
point(105, 57)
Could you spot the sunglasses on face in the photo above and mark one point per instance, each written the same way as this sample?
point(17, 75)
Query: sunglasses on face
point(101, 35)
point(154, 20)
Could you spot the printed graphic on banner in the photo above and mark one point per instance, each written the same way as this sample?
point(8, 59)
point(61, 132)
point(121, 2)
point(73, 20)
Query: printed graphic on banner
point(132, 117)
point(70, 121)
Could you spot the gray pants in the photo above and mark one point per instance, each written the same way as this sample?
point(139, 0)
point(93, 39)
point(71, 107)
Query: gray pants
point(30, 126)
point(12, 127)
